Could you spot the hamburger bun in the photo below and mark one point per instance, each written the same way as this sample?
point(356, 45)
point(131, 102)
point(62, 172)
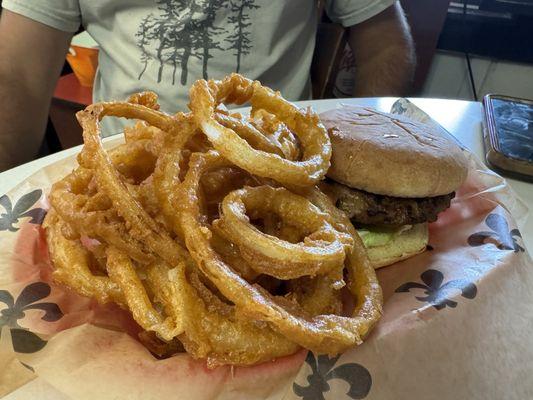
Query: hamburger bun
point(392, 155)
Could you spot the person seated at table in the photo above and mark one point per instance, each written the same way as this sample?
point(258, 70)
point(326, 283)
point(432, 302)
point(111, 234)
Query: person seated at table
point(166, 45)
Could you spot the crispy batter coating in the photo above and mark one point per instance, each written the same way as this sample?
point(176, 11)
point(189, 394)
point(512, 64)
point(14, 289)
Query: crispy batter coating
point(235, 257)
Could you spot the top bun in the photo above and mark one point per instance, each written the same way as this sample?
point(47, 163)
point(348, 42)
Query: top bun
point(391, 155)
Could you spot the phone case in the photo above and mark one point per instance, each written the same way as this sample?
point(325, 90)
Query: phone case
point(509, 155)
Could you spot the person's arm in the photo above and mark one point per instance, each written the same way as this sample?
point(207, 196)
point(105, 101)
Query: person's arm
point(31, 58)
point(384, 54)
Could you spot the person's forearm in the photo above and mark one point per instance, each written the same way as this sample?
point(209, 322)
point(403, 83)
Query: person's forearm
point(31, 57)
point(23, 118)
point(389, 74)
point(384, 55)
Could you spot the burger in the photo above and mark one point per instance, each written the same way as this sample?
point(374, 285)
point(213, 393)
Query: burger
point(392, 176)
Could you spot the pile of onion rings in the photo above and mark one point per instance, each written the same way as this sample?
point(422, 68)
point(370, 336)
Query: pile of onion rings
point(209, 227)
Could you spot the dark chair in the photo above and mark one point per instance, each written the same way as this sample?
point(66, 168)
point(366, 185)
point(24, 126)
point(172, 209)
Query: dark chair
point(330, 43)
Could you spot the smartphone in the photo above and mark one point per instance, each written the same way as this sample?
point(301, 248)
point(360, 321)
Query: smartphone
point(508, 134)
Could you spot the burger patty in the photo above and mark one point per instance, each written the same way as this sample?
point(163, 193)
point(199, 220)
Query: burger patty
point(373, 209)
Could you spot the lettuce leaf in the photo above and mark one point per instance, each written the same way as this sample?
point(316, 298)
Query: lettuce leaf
point(375, 237)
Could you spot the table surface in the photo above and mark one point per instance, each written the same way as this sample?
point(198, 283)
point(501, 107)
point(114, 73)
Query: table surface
point(461, 118)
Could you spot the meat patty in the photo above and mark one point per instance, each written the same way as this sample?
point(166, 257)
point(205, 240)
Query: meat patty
point(373, 209)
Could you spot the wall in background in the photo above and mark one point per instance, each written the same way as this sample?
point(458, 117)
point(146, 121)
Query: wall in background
point(448, 77)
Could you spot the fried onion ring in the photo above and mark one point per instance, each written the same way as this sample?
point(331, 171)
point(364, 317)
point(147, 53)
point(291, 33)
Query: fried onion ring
point(71, 261)
point(206, 96)
point(213, 329)
point(209, 228)
point(329, 334)
point(91, 213)
point(143, 227)
point(322, 250)
point(122, 272)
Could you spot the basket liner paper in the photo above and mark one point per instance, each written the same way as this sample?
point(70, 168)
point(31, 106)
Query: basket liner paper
point(457, 318)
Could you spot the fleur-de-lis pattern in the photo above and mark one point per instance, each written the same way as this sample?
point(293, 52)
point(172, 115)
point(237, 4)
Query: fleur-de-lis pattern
point(22, 209)
point(324, 370)
point(25, 341)
point(436, 292)
point(499, 235)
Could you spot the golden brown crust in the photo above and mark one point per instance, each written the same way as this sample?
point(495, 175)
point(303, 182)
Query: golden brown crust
point(391, 155)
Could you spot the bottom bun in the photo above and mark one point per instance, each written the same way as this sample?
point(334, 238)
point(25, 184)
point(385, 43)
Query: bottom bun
point(407, 244)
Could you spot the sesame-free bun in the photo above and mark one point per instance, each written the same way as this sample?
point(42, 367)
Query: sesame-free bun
point(405, 245)
point(391, 155)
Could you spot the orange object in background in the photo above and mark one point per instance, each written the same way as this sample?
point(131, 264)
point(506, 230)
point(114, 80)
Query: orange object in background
point(83, 61)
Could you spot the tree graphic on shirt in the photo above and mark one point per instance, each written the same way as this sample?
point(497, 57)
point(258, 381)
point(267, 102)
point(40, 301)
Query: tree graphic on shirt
point(171, 36)
point(185, 29)
point(143, 41)
point(240, 41)
point(210, 33)
point(184, 36)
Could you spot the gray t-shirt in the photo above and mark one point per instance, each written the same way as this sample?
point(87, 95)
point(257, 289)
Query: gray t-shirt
point(165, 45)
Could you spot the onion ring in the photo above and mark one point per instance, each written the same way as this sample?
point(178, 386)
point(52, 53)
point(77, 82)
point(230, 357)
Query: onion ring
point(329, 334)
point(213, 329)
point(143, 227)
point(209, 229)
point(122, 272)
point(167, 169)
point(71, 265)
point(257, 139)
point(148, 99)
point(92, 215)
point(321, 252)
point(316, 296)
point(205, 97)
point(278, 133)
